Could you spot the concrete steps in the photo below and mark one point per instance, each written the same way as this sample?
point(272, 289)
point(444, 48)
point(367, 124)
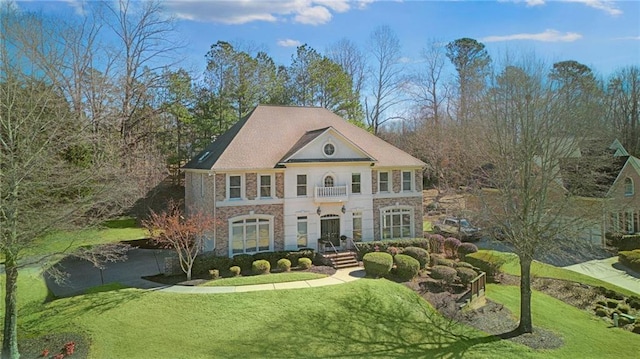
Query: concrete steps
point(342, 259)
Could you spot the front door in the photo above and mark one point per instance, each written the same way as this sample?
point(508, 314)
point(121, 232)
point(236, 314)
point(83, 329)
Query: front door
point(330, 229)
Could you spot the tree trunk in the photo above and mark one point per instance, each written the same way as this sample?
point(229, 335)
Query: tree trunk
point(10, 332)
point(526, 325)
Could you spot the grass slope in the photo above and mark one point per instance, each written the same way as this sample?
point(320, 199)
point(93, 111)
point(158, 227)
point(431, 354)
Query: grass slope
point(585, 335)
point(264, 279)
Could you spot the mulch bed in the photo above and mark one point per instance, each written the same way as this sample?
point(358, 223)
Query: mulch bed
point(55, 344)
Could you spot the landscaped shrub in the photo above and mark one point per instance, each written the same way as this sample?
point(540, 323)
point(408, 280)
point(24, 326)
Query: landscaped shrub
point(636, 328)
point(284, 265)
point(630, 259)
point(382, 246)
point(463, 264)
point(623, 308)
point(419, 254)
point(446, 275)
point(451, 247)
point(235, 271)
point(304, 263)
point(610, 293)
point(394, 250)
point(629, 242)
point(243, 261)
point(377, 264)
point(436, 243)
point(466, 248)
point(272, 257)
point(433, 258)
point(612, 303)
point(634, 302)
point(466, 275)
point(302, 253)
point(206, 261)
point(407, 267)
point(261, 266)
point(486, 262)
point(602, 312)
point(440, 261)
point(622, 321)
point(214, 273)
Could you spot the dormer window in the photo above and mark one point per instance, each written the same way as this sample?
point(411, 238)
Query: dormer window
point(628, 187)
point(329, 149)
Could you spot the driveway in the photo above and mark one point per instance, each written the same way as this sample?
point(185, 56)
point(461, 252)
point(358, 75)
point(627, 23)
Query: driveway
point(609, 270)
point(82, 275)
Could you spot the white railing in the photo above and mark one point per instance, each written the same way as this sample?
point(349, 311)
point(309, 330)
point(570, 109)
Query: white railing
point(331, 193)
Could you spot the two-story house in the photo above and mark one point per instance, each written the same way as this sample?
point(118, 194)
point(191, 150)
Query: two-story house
point(284, 178)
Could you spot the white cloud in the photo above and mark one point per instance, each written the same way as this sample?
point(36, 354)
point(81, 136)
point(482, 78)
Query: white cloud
point(535, 2)
point(548, 35)
point(289, 43)
point(605, 5)
point(311, 12)
point(78, 6)
point(628, 38)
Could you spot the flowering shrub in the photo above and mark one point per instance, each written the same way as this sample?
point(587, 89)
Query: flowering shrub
point(304, 263)
point(466, 248)
point(436, 243)
point(451, 247)
point(284, 265)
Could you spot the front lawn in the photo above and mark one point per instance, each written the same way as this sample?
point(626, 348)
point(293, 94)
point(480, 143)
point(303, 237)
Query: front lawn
point(264, 279)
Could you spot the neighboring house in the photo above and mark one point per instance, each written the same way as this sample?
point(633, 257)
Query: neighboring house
point(285, 177)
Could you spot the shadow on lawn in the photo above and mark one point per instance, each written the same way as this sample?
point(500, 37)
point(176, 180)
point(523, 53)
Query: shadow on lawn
point(371, 326)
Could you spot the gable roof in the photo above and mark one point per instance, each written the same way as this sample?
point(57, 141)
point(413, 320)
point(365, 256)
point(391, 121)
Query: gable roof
point(270, 134)
point(310, 137)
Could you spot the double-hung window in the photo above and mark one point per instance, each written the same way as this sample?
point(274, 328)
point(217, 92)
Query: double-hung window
point(234, 187)
point(302, 232)
point(383, 182)
point(406, 181)
point(301, 185)
point(266, 186)
point(356, 183)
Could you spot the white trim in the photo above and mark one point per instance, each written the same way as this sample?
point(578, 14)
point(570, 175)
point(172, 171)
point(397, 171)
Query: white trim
point(324, 149)
point(306, 179)
point(402, 208)
point(412, 184)
point(359, 183)
point(242, 187)
point(244, 218)
point(272, 185)
point(389, 182)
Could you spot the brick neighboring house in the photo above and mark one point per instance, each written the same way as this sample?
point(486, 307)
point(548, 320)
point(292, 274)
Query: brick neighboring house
point(283, 178)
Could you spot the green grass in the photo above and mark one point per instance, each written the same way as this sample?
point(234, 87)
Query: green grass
point(427, 226)
point(113, 231)
point(584, 335)
point(264, 279)
point(512, 266)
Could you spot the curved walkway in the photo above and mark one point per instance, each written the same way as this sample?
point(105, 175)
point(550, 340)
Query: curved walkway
point(341, 276)
point(609, 270)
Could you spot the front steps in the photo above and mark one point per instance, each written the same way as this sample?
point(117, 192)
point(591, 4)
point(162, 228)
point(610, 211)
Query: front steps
point(342, 259)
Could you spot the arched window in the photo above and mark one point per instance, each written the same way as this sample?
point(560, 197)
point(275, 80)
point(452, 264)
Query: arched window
point(329, 181)
point(628, 187)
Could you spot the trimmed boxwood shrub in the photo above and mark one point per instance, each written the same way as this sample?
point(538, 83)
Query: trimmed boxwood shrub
point(463, 264)
point(284, 265)
point(439, 261)
point(629, 242)
point(206, 261)
point(486, 262)
point(634, 302)
point(377, 264)
point(381, 246)
point(436, 243)
point(623, 308)
point(444, 274)
point(304, 263)
point(602, 312)
point(235, 271)
point(466, 248)
point(395, 250)
point(419, 254)
point(243, 261)
point(612, 303)
point(261, 266)
point(272, 257)
point(302, 253)
point(433, 258)
point(466, 275)
point(407, 267)
point(636, 328)
point(630, 259)
point(451, 245)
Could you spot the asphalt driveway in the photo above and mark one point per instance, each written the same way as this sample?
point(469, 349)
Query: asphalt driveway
point(82, 275)
point(609, 270)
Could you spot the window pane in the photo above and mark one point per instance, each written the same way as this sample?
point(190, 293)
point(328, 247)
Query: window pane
point(251, 239)
point(234, 181)
point(355, 183)
point(302, 185)
point(328, 181)
point(264, 237)
point(235, 186)
point(406, 181)
point(384, 181)
point(302, 232)
point(357, 228)
point(237, 239)
point(234, 192)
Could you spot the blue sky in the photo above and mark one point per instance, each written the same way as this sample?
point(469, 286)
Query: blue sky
point(604, 35)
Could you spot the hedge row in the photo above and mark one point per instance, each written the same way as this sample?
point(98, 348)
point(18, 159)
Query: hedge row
point(206, 261)
point(382, 246)
point(630, 259)
point(624, 242)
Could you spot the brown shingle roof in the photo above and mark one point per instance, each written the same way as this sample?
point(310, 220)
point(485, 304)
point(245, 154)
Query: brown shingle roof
point(262, 139)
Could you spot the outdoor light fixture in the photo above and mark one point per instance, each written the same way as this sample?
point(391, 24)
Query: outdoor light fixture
point(319, 211)
point(343, 209)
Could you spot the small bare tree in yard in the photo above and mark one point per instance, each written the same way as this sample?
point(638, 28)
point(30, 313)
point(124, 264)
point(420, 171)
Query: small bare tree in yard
point(530, 137)
point(185, 235)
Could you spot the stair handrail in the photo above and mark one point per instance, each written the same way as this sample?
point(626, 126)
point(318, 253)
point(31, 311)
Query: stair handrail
point(353, 243)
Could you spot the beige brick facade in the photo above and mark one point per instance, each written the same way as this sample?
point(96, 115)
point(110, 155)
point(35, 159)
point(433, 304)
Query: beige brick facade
point(413, 202)
point(251, 183)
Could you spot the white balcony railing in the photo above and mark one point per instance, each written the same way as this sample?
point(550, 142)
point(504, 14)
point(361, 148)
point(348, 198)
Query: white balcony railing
point(331, 194)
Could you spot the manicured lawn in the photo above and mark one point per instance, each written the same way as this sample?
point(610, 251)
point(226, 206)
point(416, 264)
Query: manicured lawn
point(584, 335)
point(512, 266)
point(264, 279)
point(427, 226)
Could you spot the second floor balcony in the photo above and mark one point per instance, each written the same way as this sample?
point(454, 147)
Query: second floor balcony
point(331, 194)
